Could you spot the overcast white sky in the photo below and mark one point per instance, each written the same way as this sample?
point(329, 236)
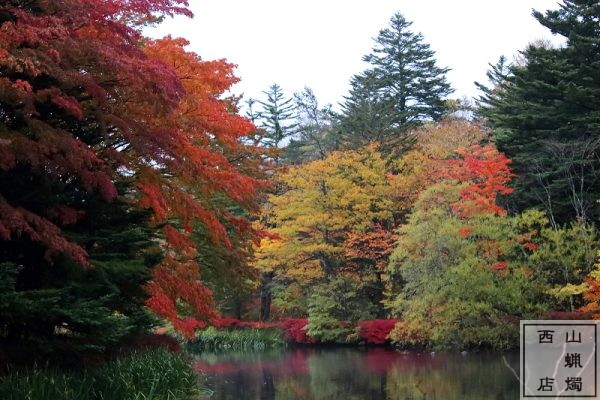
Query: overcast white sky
point(319, 43)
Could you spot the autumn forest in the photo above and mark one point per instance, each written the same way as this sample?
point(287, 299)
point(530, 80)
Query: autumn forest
point(140, 200)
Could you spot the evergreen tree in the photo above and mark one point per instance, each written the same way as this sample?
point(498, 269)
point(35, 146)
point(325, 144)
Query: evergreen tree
point(257, 136)
point(56, 308)
point(403, 87)
point(276, 117)
point(276, 123)
point(497, 75)
point(546, 116)
point(365, 118)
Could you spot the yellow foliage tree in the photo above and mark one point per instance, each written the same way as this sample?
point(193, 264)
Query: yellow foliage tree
point(326, 199)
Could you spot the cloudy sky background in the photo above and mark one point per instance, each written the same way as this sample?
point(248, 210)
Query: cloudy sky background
point(320, 43)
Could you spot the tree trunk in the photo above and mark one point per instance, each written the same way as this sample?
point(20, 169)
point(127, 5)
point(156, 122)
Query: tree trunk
point(266, 296)
point(379, 295)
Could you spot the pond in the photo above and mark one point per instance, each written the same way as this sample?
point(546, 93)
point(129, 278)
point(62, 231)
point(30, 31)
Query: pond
point(354, 373)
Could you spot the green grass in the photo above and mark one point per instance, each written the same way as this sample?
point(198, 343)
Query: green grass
point(151, 375)
point(212, 339)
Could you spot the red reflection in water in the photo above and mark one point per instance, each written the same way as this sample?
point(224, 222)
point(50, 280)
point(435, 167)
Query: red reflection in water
point(293, 363)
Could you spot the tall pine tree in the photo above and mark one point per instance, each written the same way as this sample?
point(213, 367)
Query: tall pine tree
point(276, 117)
point(276, 122)
point(365, 118)
point(403, 88)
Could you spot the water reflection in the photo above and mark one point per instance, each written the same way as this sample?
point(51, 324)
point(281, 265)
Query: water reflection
point(348, 373)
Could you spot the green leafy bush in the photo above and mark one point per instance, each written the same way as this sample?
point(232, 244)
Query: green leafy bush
point(334, 308)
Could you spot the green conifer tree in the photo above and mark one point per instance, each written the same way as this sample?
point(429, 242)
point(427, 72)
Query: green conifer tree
point(55, 308)
point(276, 117)
point(546, 116)
point(402, 88)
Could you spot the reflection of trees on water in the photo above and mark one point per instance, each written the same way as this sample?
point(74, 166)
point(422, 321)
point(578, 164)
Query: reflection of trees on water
point(342, 374)
point(267, 387)
point(473, 377)
point(348, 373)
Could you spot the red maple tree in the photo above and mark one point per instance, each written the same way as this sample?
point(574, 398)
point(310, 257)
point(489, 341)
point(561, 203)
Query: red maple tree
point(87, 101)
point(486, 173)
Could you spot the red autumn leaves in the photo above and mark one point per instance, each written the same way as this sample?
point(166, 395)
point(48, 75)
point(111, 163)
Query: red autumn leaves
point(95, 105)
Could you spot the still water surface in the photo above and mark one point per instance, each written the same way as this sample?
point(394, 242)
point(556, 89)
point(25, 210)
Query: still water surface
point(352, 374)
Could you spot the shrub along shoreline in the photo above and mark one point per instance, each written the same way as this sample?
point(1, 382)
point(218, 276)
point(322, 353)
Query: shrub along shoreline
point(233, 334)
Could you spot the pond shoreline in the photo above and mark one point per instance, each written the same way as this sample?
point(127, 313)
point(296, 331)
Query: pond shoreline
point(276, 335)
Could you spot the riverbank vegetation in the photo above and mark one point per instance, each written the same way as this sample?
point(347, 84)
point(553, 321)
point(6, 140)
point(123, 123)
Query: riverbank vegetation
point(152, 374)
point(243, 336)
point(135, 195)
point(211, 339)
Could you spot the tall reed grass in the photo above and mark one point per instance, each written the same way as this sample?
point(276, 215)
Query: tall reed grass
point(151, 375)
point(211, 339)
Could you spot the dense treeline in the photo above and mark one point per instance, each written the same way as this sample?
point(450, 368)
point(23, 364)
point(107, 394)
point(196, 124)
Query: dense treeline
point(457, 220)
point(133, 194)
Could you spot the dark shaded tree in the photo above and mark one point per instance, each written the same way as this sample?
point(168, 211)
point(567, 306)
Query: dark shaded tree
point(545, 116)
point(54, 308)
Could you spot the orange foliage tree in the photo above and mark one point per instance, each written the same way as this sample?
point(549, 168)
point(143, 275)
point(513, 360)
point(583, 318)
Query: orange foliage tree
point(487, 174)
point(330, 205)
point(424, 165)
point(206, 137)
